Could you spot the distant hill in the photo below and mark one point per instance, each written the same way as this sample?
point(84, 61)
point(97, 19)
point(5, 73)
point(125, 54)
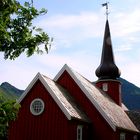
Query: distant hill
point(8, 91)
point(130, 95)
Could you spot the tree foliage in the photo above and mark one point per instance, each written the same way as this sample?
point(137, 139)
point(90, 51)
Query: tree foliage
point(17, 34)
point(8, 112)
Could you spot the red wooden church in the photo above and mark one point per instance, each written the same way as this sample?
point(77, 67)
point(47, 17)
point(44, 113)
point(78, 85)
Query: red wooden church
point(70, 107)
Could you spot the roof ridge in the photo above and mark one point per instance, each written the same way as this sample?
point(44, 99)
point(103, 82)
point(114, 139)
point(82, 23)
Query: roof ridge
point(60, 96)
point(102, 102)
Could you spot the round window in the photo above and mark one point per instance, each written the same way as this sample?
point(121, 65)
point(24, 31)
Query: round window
point(37, 106)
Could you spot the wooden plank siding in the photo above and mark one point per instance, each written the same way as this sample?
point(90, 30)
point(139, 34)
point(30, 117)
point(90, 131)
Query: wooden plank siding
point(52, 124)
point(100, 128)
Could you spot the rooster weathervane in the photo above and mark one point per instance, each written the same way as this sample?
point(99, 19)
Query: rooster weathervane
point(106, 5)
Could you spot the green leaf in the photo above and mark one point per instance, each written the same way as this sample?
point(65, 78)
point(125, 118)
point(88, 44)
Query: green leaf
point(8, 112)
point(26, 4)
point(17, 35)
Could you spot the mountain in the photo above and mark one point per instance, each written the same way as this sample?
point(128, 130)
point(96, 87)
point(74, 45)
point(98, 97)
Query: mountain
point(8, 91)
point(130, 95)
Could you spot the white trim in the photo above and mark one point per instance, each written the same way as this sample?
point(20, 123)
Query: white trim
point(28, 87)
point(32, 109)
point(122, 136)
point(40, 77)
point(65, 67)
point(71, 73)
point(135, 137)
point(80, 127)
point(105, 87)
point(55, 98)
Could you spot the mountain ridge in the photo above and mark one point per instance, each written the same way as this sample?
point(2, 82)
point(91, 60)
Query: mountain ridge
point(9, 91)
point(130, 93)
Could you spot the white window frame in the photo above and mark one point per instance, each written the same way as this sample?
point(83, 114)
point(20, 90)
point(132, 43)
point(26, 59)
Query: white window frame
point(32, 109)
point(79, 132)
point(120, 88)
point(105, 86)
point(122, 136)
point(135, 137)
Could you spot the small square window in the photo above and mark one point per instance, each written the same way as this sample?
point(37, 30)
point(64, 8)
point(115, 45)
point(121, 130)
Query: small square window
point(105, 87)
point(135, 137)
point(122, 136)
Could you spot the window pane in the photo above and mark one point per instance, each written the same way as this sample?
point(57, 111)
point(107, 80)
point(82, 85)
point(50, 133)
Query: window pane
point(79, 132)
point(122, 136)
point(37, 106)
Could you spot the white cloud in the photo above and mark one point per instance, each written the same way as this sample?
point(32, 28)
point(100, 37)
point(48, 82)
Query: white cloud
point(126, 23)
point(16, 74)
point(121, 48)
point(130, 71)
point(69, 30)
point(66, 22)
point(81, 61)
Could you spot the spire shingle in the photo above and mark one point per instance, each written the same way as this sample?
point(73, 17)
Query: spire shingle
point(107, 68)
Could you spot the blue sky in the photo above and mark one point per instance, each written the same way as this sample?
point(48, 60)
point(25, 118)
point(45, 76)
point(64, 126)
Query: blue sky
point(77, 27)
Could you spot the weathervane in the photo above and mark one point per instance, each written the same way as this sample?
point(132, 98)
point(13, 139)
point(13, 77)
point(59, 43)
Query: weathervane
point(106, 5)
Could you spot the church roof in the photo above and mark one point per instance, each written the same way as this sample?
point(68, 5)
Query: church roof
point(135, 117)
point(61, 96)
point(107, 68)
point(111, 112)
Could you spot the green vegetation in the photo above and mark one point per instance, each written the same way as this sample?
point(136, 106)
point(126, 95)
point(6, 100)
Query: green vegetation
point(8, 107)
point(17, 34)
point(9, 92)
point(8, 112)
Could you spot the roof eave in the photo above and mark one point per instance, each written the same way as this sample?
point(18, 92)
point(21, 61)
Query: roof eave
point(40, 77)
point(66, 68)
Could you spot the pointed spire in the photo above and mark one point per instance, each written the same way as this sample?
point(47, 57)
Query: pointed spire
point(107, 68)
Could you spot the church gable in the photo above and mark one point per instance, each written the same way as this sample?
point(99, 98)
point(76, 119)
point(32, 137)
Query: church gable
point(60, 96)
point(108, 109)
point(32, 124)
point(59, 115)
point(71, 107)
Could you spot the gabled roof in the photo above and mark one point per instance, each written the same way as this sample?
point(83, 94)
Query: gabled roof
point(135, 117)
point(111, 112)
point(60, 96)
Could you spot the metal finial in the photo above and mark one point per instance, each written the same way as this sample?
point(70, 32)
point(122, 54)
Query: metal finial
point(106, 5)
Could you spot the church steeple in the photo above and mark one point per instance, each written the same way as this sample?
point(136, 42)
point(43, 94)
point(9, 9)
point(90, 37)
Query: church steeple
point(107, 68)
point(107, 72)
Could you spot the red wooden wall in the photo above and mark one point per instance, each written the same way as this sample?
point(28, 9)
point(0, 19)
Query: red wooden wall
point(100, 128)
point(114, 90)
point(52, 124)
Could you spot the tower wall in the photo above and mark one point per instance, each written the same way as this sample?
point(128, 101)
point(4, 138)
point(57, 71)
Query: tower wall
point(112, 88)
